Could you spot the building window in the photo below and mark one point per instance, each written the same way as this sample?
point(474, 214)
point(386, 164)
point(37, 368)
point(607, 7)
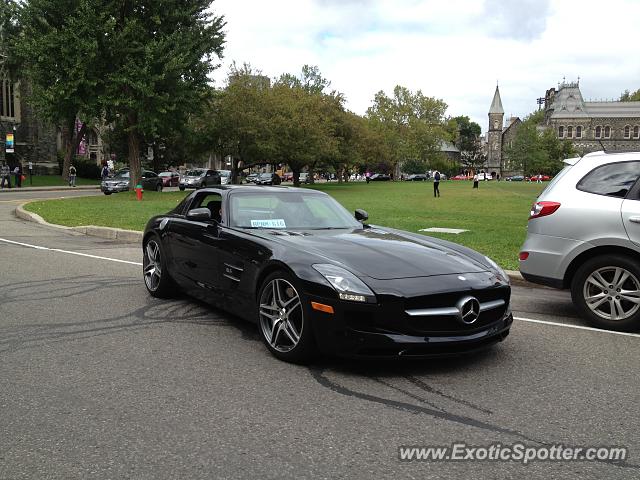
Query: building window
point(598, 132)
point(627, 131)
point(607, 132)
point(636, 132)
point(569, 131)
point(578, 131)
point(560, 132)
point(7, 102)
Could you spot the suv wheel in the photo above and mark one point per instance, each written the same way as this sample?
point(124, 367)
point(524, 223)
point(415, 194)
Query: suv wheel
point(606, 291)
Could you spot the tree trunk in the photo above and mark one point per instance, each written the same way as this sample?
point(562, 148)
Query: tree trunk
point(135, 168)
point(71, 140)
point(311, 180)
point(296, 177)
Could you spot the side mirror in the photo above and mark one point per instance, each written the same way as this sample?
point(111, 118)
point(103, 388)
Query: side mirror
point(361, 215)
point(199, 214)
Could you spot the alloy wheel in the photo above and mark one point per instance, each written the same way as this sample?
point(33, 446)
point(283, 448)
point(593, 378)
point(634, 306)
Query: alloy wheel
point(152, 265)
point(281, 315)
point(612, 293)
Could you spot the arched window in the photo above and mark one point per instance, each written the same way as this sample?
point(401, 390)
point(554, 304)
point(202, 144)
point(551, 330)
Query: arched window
point(636, 132)
point(7, 101)
point(607, 131)
point(627, 131)
point(598, 132)
point(560, 132)
point(569, 131)
point(578, 131)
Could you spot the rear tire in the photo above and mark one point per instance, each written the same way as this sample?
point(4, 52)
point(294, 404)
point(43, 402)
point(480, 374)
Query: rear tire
point(181, 188)
point(606, 292)
point(284, 319)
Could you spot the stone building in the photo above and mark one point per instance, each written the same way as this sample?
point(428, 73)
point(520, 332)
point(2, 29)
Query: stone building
point(592, 125)
point(499, 137)
point(34, 140)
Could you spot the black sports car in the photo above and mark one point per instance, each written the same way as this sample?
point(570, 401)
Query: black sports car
point(315, 278)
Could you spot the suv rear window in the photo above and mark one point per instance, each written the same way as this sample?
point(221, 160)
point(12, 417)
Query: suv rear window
point(612, 180)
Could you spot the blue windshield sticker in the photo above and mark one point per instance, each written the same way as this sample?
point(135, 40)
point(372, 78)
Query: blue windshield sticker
point(270, 223)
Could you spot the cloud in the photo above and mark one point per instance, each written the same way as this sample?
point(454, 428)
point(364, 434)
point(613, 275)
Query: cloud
point(520, 20)
point(454, 49)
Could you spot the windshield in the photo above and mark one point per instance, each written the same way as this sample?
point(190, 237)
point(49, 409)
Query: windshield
point(165, 174)
point(224, 173)
point(122, 175)
point(194, 173)
point(288, 210)
point(265, 175)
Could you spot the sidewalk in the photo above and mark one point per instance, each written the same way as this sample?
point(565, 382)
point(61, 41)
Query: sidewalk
point(51, 188)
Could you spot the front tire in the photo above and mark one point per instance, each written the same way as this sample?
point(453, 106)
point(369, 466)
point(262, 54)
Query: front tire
point(606, 291)
point(284, 319)
point(181, 188)
point(154, 270)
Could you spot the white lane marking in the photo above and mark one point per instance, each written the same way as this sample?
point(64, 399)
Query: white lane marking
point(37, 247)
point(579, 327)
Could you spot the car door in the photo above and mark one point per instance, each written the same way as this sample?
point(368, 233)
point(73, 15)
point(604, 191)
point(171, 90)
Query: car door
point(631, 210)
point(149, 180)
point(195, 247)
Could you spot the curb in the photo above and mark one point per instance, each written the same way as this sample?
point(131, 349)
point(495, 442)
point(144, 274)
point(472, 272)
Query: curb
point(133, 236)
point(129, 236)
point(60, 188)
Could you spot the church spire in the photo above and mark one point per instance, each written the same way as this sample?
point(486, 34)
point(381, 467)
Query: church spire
point(496, 104)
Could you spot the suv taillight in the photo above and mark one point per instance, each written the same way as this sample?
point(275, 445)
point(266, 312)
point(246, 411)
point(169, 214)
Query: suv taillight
point(542, 209)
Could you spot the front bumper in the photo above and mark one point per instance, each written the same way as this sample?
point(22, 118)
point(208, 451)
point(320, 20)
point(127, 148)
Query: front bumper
point(114, 188)
point(384, 329)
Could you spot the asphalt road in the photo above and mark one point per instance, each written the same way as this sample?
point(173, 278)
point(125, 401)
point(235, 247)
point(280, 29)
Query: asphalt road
point(99, 380)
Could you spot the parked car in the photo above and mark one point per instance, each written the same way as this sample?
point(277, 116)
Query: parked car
point(461, 177)
point(199, 178)
point(584, 235)
point(169, 179)
point(251, 178)
point(379, 177)
point(315, 279)
point(120, 182)
point(515, 178)
point(542, 178)
point(417, 177)
point(225, 176)
point(268, 179)
point(287, 177)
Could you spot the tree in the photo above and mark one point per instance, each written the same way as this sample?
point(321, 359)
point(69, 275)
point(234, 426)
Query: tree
point(467, 134)
point(536, 152)
point(412, 123)
point(63, 58)
point(414, 166)
point(160, 54)
point(630, 96)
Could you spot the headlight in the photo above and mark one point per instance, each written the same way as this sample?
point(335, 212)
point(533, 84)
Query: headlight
point(499, 269)
point(348, 286)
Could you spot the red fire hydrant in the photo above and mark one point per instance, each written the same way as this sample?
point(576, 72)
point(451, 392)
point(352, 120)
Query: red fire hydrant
point(139, 192)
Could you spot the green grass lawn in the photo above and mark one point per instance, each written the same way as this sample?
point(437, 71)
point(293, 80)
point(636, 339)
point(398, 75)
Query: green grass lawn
point(54, 181)
point(495, 214)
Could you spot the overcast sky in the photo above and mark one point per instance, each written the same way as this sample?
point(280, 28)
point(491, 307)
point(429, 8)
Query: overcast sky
point(455, 50)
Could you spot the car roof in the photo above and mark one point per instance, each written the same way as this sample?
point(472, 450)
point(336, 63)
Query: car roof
point(602, 158)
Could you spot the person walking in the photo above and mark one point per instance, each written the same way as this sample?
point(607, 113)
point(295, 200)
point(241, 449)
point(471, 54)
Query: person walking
point(72, 176)
point(5, 173)
point(539, 178)
point(436, 184)
point(475, 181)
point(367, 176)
point(17, 174)
point(105, 172)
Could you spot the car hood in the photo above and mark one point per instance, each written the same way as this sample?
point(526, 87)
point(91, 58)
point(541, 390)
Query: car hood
point(380, 253)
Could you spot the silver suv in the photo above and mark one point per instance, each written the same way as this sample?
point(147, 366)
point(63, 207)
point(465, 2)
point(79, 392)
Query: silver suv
point(584, 234)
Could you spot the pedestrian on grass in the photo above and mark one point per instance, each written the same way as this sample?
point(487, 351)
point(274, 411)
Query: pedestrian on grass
point(539, 178)
point(17, 173)
point(367, 176)
point(436, 184)
point(72, 176)
point(105, 172)
point(475, 181)
point(5, 173)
